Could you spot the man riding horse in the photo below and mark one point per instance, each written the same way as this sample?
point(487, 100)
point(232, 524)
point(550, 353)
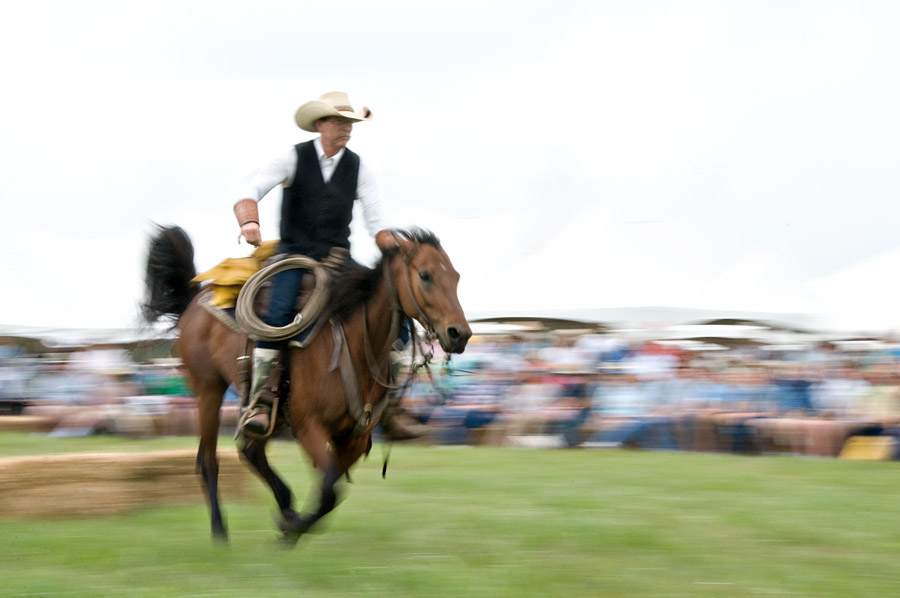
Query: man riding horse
point(321, 179)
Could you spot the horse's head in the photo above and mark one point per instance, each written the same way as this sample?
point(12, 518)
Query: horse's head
point(426, 285)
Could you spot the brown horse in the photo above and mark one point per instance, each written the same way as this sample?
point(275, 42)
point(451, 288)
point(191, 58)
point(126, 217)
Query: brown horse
point(413, 279)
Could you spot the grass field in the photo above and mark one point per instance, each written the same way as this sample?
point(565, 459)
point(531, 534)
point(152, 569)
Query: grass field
point(492, 522)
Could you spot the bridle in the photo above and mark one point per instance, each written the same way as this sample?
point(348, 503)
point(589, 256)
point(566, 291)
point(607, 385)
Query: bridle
point(423, 318)
point(371, 361)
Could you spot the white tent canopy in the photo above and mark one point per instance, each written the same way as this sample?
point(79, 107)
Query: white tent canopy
point(590, 265)
point(864, 296)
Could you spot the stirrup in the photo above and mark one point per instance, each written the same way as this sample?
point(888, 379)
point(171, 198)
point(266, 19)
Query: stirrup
point(265, 402)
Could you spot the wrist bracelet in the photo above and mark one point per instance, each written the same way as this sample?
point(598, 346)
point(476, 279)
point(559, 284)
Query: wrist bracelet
point(250, 222)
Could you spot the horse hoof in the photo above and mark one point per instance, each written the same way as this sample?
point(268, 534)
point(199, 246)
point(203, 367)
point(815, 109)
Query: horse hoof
point(219, 535)
point(292, 523)
point(290, 519)
point(289, 539)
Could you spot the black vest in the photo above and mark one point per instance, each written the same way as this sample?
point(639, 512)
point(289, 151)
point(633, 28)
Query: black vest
point(315, 215)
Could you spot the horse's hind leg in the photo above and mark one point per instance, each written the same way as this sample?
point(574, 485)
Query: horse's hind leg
point(209, 403)
point(255, 453)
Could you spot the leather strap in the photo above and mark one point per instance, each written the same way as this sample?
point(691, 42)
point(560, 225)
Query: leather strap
point(366, 415)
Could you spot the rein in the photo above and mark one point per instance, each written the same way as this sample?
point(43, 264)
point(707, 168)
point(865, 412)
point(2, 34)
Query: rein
point(371, 362)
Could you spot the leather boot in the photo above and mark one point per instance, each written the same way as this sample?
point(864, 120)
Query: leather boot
point(398, 424)
point(257, 419)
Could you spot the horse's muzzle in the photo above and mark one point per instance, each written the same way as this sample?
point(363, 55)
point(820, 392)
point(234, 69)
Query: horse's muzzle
point(454, 338)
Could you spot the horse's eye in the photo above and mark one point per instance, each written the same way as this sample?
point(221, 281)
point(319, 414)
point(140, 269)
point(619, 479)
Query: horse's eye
point(425, 276)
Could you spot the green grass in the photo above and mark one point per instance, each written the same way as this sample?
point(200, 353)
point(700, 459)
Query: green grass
point(492, 522)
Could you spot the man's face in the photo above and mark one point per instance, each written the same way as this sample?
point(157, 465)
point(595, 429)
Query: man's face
point(335, 131)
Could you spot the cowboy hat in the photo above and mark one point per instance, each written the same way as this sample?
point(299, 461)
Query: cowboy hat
point(333, 103)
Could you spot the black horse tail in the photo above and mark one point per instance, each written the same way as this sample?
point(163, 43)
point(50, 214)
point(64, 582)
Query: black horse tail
point(170, 269)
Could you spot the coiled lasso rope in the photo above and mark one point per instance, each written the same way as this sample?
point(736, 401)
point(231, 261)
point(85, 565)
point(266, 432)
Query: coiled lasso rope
point(315, 305)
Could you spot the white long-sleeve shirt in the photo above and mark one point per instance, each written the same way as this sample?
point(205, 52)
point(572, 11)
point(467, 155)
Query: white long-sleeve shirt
point(283, 169)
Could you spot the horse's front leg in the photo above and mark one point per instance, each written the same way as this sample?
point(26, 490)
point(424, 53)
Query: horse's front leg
point(255, 453)
point(318, 444)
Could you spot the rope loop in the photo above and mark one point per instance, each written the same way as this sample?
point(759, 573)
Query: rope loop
point(253, 325)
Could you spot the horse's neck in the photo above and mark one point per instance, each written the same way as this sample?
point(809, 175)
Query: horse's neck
point(379, 316)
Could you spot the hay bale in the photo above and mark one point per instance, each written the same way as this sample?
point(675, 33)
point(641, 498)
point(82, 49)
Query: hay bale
point(869, 448)
point(108, 483)
point(26, 423)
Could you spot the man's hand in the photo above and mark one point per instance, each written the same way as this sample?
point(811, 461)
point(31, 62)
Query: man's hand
point(250, 232)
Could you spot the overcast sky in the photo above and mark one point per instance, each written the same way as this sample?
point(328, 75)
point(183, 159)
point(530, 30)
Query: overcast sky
point(715, 154)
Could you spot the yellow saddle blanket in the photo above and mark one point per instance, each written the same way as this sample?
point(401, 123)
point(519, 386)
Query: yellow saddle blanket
point(227, 278)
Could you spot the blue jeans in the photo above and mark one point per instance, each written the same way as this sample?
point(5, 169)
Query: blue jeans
point(286, 287)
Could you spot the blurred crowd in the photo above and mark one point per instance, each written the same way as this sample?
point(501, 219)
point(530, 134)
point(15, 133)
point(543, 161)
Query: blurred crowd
point(545, 390)
point(95, 391)
point(607, 391)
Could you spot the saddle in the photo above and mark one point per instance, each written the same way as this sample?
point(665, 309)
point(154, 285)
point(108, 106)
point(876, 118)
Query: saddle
point(226, 279)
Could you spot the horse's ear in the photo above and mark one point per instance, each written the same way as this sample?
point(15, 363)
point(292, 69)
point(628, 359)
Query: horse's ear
point(388, 240)
point(385, 241)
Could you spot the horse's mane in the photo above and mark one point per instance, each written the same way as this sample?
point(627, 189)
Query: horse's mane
point(356, 284)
